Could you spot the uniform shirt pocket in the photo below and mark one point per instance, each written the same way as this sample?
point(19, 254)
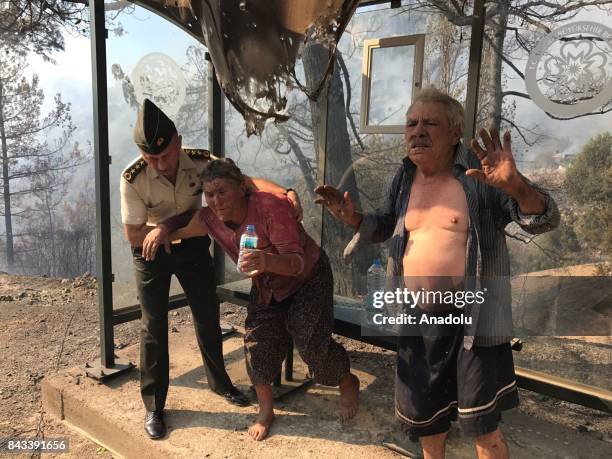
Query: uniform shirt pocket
point(160, 212)
point(186, 200)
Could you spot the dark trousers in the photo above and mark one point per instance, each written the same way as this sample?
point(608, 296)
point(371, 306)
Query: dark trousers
point(191, 263)
point(438, 379)
point(307, 317)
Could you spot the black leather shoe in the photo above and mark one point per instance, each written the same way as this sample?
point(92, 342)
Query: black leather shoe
point(154, 424)
point(235, 397)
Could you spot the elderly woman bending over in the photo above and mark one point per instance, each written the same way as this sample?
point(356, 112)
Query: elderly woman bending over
point(292, 290)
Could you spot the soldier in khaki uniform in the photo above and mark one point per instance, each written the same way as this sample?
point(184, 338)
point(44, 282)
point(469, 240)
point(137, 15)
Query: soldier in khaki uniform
point(162, 184)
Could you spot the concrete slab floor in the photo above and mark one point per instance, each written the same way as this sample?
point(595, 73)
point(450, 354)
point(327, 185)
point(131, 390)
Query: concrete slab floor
point(201, 424)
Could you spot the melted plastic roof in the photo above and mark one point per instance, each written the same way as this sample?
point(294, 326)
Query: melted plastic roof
point(254, 44)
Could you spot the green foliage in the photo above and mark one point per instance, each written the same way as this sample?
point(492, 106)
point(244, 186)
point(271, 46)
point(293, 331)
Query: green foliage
point(589, 176)
point(589, 186)
point(555, 249)
point(35, 159)
point(65, 245)
point(584, 234)
point(594, 227)
point(37, 26)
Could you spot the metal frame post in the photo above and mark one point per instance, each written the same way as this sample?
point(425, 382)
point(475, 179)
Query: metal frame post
point(216, 144)
point(476, 41)
point(108, 365)
point(321, 148)
point(103, 240)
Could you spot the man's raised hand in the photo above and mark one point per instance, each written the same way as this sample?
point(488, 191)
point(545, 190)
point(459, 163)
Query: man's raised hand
point(341, 206)
point(498, 166)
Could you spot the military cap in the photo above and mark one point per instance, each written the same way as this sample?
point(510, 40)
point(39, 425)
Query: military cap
point(153, 130)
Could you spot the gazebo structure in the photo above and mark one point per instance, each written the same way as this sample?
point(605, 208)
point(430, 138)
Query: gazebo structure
point(324, 148)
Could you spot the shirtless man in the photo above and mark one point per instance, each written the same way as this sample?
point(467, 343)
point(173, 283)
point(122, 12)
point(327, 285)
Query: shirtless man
point(446, 210)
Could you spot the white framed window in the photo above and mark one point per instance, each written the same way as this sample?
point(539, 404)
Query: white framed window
point(392, 72)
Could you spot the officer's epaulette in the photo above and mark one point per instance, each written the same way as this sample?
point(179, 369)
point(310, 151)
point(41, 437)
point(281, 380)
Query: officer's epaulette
point(134, 169)
point(197, 153)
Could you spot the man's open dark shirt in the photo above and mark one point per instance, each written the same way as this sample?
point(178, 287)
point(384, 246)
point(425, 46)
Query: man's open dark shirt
point(487, 261)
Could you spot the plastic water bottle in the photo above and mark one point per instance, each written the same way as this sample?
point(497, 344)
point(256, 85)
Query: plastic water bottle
point(248, 240)
point(375, 278)
point(375, 281)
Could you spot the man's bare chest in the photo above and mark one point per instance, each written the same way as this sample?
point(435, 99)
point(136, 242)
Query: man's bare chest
point(438, 204)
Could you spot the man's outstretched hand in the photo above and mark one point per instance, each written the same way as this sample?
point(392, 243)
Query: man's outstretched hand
point(498, 167)
point(340, 205)
point(499, 170)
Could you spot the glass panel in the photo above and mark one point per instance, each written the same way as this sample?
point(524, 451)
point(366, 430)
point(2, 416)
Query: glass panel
point(391, 75)
point(168, 66)
point(364, 164)
point(284, 153)
point(569, 158)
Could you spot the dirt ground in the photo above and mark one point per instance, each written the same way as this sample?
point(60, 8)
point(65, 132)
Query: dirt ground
point(52, 324)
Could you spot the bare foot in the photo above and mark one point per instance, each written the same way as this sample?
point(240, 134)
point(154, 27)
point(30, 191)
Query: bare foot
point(259, 430)
point(349, 396)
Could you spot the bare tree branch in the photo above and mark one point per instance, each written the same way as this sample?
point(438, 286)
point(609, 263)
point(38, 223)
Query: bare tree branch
point(347, 84)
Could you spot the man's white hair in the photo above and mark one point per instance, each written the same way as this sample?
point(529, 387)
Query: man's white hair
point(452, 107)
